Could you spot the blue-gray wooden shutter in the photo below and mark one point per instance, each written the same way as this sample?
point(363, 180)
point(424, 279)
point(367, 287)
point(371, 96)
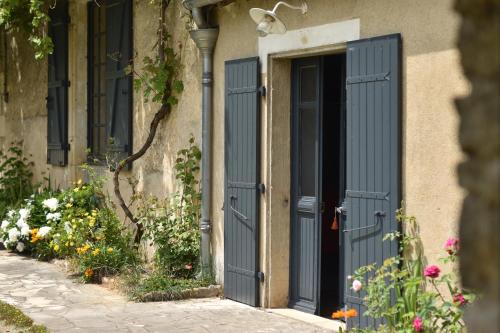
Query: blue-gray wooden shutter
point(241, 197)
point(373, 157)
point(119, 35)
point(58, 82)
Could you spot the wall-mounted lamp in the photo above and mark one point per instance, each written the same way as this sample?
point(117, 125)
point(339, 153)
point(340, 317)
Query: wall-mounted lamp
point(268, 22)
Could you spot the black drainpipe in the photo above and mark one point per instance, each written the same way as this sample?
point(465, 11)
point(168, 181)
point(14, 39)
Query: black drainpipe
point(205, 38)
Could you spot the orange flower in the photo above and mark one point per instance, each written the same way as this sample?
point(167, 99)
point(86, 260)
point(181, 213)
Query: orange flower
point(89, 272)
point(338, 314)
point(347, 314)
point(351, 313)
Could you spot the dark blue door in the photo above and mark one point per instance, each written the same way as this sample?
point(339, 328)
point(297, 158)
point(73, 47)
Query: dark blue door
point(306, 189)
point(373, 157)
point(242, 177)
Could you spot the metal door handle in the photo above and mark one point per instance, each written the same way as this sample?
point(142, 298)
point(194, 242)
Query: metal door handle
point(378, 215)
point(240, 215)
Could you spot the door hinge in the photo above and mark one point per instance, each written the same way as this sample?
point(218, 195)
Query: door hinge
point(262, 91)
point(261, 188)
point(260, 276)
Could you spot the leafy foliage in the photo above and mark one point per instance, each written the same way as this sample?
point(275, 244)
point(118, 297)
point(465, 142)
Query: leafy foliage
point(78, 223)
point(420, 304)
point(139, 286)
point(31, 17)
point(15, 178)
point(13, 316)
point(159, 78)
point(172, 224)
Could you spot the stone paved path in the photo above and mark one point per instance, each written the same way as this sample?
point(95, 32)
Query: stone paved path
point(43, 292)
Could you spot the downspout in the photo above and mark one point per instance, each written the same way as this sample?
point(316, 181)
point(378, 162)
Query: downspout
point(205, 38)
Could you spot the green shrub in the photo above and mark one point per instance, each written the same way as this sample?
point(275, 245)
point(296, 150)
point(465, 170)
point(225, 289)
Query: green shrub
point(15, 178)
point(407, 296)
point(139, 286)
point(14, 317)
point(172, 224)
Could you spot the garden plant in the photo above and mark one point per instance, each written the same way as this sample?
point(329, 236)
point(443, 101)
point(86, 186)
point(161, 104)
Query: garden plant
point(404, 295)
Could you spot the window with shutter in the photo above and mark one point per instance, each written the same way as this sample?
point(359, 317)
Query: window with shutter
point(110, 88)
point(58, 82)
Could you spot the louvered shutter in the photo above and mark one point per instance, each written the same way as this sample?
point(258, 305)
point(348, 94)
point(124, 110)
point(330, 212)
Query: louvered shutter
point(241, 197)
point(58, 83)
point(373, 158)
point(118, 83)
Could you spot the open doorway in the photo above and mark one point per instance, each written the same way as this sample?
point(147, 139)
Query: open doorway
point(332, 181)
point(318, 183)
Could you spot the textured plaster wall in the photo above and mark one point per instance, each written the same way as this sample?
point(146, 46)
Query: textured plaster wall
point(25, 116)
point(432, 78)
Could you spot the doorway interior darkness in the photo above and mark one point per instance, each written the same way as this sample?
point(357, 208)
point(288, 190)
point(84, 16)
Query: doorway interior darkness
point(318, 183)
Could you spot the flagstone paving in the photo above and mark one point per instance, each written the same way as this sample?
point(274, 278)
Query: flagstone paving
point(43, 292)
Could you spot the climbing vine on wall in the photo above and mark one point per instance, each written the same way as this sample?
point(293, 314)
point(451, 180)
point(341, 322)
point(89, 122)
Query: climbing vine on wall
point(29, 16)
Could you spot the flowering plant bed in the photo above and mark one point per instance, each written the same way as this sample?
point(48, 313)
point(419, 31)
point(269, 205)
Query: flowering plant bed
point(407, 296)
point(77, 224)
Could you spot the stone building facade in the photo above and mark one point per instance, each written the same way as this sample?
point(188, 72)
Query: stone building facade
point(431, 79)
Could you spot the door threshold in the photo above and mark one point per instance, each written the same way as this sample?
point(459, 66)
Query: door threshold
point(328, 324)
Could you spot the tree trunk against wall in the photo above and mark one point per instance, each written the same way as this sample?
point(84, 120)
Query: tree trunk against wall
point(479, 44)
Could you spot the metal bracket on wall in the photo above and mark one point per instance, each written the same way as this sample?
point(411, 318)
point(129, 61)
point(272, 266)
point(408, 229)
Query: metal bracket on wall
point(262, 91)
point(260, 276)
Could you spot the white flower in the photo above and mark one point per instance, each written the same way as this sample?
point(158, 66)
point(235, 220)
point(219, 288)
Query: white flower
point(51, 204)
point(24, 213)
point(25, 230)
point(43, 231)
point(20, 223)
point(53, 216)
point(20, 246)
point(14, 234)
point(4, 226)
point(11, 213)
point(67, 227)
point(356, 285)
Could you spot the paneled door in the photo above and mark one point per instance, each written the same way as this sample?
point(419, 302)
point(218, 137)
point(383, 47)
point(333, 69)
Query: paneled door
point(306, 191)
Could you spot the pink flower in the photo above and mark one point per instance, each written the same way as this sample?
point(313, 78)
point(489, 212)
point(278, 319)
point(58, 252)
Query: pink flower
point(432, 271)
point(356, 285)
point(459, 299)
point(452, 245)
point(188, 266)
point(418, 324)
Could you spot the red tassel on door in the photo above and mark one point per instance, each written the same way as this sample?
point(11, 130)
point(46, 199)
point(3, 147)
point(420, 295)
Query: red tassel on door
point(335, 224)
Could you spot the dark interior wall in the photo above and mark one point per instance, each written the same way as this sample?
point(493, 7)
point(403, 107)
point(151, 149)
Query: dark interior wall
point(333, 176)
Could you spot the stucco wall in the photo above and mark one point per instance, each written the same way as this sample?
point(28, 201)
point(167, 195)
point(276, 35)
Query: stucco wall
point(26, 116)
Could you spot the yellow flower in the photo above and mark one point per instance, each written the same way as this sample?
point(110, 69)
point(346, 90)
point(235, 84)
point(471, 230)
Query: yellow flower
point(110, 249)
point(96, 252)
point(72, 244)
point(79, 182)
point(69, 205)
point(76, 189)
point(34, 235)
point(66, 244)
point(56, 247)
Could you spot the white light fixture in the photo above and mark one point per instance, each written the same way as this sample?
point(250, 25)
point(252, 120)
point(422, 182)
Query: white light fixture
point(268, 22)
